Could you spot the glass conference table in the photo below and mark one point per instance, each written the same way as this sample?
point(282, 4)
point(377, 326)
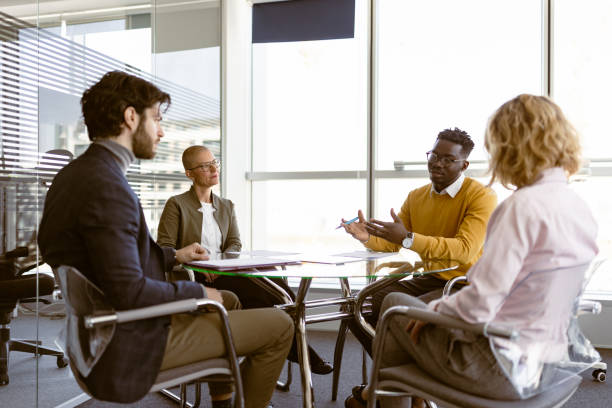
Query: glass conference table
point(306, 268)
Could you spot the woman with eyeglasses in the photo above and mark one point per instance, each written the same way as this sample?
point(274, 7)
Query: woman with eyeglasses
point(199, 215)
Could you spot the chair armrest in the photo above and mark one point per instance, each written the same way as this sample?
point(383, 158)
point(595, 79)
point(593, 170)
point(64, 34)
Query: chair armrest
point(449, 285)
point(426, 316)
point(447, 321)
point(164, 309)
point(34, 300)
point(589, 306)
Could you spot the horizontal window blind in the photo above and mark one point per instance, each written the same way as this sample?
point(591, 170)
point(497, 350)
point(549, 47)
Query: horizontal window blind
point(42, 77)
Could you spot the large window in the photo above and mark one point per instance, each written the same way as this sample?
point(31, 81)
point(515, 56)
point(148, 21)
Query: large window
point(435, 64)
point(310, 114)
point(446, 63)
point(582, 85)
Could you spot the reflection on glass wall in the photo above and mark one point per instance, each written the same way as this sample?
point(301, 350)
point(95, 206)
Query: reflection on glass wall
point(50, 52)
point(19, 199)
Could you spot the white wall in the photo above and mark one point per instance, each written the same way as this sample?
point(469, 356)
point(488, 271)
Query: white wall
point(236, 109)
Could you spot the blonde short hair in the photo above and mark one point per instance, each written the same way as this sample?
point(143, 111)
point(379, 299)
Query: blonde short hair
point(189, 155)
point(527, 135)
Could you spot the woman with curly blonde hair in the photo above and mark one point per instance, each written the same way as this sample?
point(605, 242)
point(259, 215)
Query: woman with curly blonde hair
point(539, 243)
point(527, 135)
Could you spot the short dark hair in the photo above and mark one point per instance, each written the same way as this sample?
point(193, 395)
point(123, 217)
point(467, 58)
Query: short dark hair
point(459, 137)
point(104, 104)
point(190, 153)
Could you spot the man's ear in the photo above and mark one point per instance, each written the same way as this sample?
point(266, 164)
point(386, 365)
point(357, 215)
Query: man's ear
point(130, 118)
point(465, 165)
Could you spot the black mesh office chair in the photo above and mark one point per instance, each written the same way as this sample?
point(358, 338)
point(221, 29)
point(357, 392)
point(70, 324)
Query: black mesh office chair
point(15, 287)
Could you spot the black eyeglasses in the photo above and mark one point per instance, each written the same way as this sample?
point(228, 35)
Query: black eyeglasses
point(208, 166)
point(444, 160)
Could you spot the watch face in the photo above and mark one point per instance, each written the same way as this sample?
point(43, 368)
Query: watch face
point(407, 242)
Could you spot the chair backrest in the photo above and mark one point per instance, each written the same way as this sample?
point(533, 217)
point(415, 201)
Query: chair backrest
point(552, 342)
point(82, 298)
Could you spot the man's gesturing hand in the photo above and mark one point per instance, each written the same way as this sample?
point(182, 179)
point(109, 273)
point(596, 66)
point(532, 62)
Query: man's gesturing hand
point(391, 231)
point(357, 229)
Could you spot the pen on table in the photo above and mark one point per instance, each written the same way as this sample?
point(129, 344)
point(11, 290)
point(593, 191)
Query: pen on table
point(348, 222)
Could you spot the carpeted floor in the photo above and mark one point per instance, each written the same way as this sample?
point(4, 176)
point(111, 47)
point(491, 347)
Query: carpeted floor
point(590, 394)
point(57, 385)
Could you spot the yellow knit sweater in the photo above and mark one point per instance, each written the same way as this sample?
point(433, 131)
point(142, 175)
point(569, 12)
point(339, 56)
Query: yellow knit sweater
point(445, 227)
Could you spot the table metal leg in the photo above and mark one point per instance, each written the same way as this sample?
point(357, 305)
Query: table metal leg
point(278, 291)
point(300, 327)
point(340, 340)
point(273, 288)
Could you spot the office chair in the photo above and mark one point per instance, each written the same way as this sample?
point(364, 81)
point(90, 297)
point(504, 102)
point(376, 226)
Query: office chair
point(90, 323)
point(14, 288)
point(410, 380)
point(600, 368)
point(181, 273)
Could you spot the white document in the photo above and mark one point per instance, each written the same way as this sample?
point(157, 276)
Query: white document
point(241, 263)
point(367, 255)
point(322, 259)
point(265, 253)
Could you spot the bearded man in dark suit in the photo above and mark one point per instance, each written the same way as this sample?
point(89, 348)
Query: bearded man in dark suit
point(93, 221)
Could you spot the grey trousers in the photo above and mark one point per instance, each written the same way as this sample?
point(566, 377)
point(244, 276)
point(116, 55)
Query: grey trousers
point(263, 336)
point(426, 288)
point(461, 360)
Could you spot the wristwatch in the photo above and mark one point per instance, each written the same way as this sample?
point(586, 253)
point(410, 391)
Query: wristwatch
point(407, 242)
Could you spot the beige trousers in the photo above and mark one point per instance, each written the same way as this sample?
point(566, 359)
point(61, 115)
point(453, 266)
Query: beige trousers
point(263, 336)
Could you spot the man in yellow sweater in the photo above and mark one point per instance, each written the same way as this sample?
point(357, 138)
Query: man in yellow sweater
point(446, 219)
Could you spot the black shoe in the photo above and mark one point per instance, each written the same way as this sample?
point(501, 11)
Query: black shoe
point(355, 401)
point(352, 402)
point(321, 367)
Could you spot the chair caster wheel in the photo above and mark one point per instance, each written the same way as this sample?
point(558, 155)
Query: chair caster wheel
point(4, 380)
point(62, 362)
point(599, 375)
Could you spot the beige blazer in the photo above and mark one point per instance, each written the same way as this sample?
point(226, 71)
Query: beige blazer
point(181, 222)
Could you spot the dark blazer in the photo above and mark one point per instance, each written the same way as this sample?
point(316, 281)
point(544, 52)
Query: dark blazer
point(181, 222)
point(93, 221)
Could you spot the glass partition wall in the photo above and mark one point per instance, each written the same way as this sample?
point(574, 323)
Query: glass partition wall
point(50, 52)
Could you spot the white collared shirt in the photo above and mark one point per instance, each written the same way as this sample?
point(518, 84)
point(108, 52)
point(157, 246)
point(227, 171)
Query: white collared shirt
point(453, 189)
point(211, 234)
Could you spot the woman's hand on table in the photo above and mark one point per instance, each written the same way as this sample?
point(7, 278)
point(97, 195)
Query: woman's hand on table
point(193, 252)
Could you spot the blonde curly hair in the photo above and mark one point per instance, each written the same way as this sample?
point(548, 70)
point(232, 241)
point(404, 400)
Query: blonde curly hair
point(527, 135)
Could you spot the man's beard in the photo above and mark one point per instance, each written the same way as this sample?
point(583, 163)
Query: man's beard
point(142, 144)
